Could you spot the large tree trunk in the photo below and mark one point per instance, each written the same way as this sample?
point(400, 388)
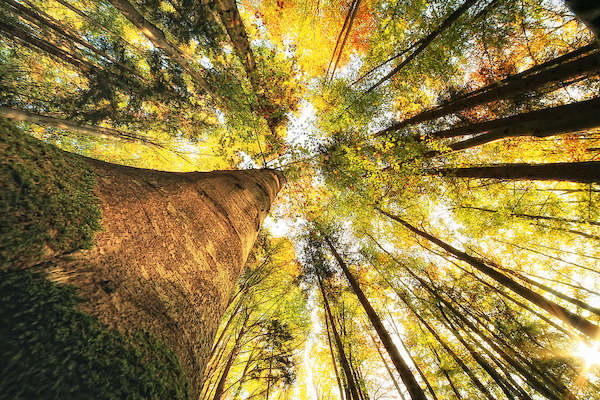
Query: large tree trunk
point(171, 247)
point(572, 319)
point(583, 172)
point(510, 87)
point(405, 373)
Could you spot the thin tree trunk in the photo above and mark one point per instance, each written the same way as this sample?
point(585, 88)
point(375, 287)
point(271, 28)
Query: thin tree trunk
point(335, 369)
point(234, 351)
point(158, 39)
point(511, 87)
point(35, 42)
point(439, 361)
point(353, 11)
point(455, 15)
point(541, 123)
point(405, 373)
point(456, 358)
point(536, 217)
point(525, 372)
point(582, 172)
point(38, 17)
point(100, 26)
point(244, 372)
point(419, 370)
point(337, 42)
point(387, 367)
point(502, 384)
point(574, 320)
point(338, 342)
point(88, 130)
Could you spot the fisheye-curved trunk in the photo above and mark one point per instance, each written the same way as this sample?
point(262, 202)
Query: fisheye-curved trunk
point(169, 252)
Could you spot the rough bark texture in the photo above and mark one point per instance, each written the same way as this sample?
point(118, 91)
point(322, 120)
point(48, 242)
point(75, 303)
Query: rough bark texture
point(583, 172)
point(170, 251)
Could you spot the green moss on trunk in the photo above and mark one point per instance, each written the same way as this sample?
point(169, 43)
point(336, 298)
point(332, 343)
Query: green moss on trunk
point(50, 350)
point(47, 204)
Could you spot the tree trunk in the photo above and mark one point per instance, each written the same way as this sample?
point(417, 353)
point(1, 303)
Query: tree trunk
point(574, 320)
point(405, 373)
point(588, 12)
point(170, 249)
point(582, 172)
point(158, 39)
point(231, 19)
point(456, 14)
point(536, 217)
point(561, 72)
point(88, 130)
point(352, 14)
point(338, 342)
point(333, 362)
point(234, 351)
point(541, 123)
point(387, 367)
point(37, 43)
point(419, 370)
point(446, 375)
point(456, 358)
point(502, 384)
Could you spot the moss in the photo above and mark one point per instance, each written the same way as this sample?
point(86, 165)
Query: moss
point(47, 204)
point(50, 350)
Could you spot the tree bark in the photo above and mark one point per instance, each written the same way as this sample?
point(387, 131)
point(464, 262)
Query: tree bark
point(582, 172)
point(171, 248)
point(511, 87)
point(231, 19)
point(405, 373)
point(574, 320)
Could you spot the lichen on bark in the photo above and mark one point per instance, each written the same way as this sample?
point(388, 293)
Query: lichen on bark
point(47, 203)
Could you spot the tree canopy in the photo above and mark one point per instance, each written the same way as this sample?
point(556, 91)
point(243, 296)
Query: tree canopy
point(438, 236)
